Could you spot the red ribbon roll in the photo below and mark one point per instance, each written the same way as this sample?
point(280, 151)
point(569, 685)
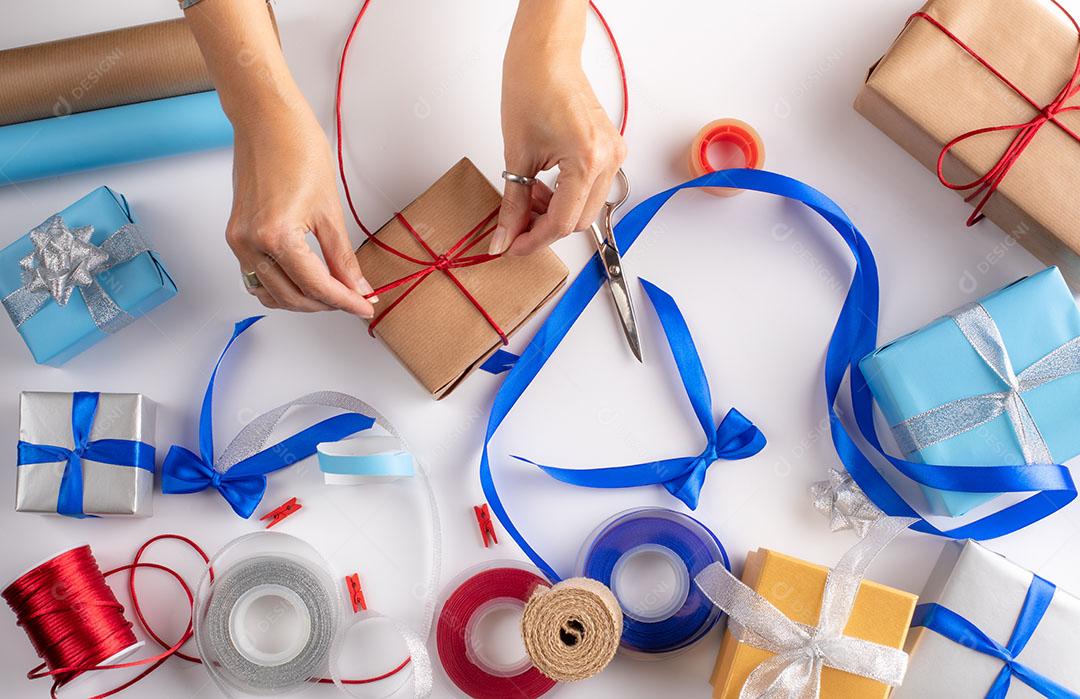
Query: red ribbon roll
point(730, 131)
point(456, 646)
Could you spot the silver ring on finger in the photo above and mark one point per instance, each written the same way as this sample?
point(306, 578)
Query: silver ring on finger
point(519, 179)
point(251, 280)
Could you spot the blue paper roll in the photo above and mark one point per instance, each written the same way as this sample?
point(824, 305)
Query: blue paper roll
point(688, 545)
point(125, 134)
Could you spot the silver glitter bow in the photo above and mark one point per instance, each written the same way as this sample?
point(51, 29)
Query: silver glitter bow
point(64, 260)
point(959, 416)
point(801, 651)
point(844, 503)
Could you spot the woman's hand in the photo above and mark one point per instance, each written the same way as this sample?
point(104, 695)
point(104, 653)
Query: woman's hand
point(550, 116)
point(284, 187)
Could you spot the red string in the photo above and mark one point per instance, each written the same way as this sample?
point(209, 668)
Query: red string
point(454, 258)
point(987, 185)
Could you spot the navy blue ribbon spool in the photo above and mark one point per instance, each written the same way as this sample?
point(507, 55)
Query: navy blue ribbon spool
point(686, 540)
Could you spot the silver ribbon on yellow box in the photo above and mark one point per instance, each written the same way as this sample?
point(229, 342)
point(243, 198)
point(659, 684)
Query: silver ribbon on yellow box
point(801, 651)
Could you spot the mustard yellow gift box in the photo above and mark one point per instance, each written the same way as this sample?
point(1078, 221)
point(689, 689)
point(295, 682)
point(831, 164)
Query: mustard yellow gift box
point(881, 614)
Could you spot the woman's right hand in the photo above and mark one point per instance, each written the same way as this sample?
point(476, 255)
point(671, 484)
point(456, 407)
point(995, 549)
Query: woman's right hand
point(284, 186)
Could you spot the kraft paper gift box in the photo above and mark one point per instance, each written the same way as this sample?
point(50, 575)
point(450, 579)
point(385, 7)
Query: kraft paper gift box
point(927, 91)
point(881, 614)
point(46, 424)
point(81, 275)
point(435, 331)
point(937, 365)
point(988, 590)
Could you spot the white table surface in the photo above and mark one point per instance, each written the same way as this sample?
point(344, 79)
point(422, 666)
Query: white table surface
point(759, 281)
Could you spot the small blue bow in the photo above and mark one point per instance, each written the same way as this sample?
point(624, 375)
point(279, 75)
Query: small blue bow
point(244, 484)
point(117, 452)
point(735, 437)
point(959, 630)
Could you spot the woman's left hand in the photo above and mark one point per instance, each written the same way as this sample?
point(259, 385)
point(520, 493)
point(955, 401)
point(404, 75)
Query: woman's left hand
point(550, 116)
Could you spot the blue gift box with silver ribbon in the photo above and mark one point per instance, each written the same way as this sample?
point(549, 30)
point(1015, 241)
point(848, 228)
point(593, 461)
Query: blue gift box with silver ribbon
point(996, 382)
point(81, 275)
point(84, 454)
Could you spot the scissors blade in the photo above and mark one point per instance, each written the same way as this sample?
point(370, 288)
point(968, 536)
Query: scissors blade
point(620, 294)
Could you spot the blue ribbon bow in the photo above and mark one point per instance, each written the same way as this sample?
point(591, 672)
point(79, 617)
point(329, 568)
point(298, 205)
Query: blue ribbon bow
point(734, 438)
point(117, 452)
point(244, 483)
point(956, 628)
point(853, 337)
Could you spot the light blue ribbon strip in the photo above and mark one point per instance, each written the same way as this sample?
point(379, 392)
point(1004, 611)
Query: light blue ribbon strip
point(734, 438)
point(354, 458)
point(117, 452)
point(854, 336)
point(244, 483)
point(944, 621)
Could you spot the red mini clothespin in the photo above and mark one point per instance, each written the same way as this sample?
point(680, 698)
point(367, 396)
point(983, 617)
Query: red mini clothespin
point(487, 527)
point(290, 506)
point(356, 593)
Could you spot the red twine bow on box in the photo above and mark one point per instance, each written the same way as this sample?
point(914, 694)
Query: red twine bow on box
point(986, 185)
point(456, 257)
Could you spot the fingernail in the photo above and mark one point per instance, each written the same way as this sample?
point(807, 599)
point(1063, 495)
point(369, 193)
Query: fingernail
point(498, 241)
point(368, 315)
point(364, 288)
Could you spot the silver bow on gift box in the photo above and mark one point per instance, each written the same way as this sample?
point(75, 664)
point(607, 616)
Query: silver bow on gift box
point(801, 651)
point(959, 416)
point(844, 503)
point(63, 261)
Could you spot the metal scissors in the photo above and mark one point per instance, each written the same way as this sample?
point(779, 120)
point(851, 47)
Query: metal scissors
point(613, 267)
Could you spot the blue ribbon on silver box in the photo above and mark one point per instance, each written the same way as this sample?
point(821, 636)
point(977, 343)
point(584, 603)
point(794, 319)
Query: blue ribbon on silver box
point(956, 628)
point(117, 452)
point(63, 261)
point(239, 474)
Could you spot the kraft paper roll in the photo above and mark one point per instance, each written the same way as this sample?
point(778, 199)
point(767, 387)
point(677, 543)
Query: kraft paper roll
point(108, 69)
point(133, 132)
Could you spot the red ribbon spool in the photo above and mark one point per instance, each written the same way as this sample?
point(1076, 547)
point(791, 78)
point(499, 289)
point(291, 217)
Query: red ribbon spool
point(457, 647)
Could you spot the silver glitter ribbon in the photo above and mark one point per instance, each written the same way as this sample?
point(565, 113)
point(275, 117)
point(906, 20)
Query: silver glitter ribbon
point(845, 504)
point(801, 651)
point(959, 416)
point(64, 260)
point(252, 439)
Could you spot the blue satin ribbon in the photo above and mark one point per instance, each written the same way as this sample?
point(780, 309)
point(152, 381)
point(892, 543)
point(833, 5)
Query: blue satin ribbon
point(734, 438)
point(117, 452)
point(854, 336)
point(243, 485)
point(957, 629)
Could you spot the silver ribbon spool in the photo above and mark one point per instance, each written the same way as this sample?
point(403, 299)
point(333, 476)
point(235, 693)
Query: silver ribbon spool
point(267, 621)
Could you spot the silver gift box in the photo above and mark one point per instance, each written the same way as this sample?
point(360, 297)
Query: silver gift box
point(45, 418)
point(988, 590)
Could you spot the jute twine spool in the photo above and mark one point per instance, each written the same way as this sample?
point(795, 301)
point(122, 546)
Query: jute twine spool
point(572, 630)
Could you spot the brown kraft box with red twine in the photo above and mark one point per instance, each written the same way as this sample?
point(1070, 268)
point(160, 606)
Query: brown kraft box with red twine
point(445, 305)
point(984, 93)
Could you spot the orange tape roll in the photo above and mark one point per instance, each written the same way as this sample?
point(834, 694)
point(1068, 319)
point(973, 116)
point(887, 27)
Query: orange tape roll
point(730, 131)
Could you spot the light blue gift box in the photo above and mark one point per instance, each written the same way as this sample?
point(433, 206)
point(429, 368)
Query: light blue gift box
point(936, 365)
point(57, 333)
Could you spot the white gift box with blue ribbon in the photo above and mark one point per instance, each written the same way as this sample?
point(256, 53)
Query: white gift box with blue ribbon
point(994, 383)
point(986, 627)
point(83, 274)
point(85, 454)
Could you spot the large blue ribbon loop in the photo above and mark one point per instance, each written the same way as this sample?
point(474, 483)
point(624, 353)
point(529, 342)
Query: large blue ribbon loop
point(734, 438)
point(117, 452)
point(944, 621)
point(854, 336)
point(244, 484)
